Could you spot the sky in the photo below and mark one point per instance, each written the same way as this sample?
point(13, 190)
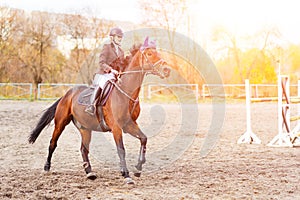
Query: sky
point(110, 9)
point(240, 16)
point(248, 16)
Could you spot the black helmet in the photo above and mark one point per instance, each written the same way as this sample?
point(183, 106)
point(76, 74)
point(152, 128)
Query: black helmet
point(116, 31)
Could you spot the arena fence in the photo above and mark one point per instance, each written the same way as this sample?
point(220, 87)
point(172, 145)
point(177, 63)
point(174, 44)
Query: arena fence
point(51, 91)
point(176, 92)
point(16, 91)
point(238, 90)
point(151, 92)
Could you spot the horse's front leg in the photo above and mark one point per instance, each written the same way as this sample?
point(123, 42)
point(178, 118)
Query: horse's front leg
point(133, 129)
point(142, 156)
point(117, 133)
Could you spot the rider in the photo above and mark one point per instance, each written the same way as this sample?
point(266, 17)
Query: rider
point(111, 61)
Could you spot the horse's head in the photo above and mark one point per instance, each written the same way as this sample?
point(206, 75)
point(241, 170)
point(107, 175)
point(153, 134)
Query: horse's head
point(150, 61)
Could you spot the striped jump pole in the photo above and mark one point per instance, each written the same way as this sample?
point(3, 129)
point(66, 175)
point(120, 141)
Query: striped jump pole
point(295, 133)
point(283, 139)
point(248, 137)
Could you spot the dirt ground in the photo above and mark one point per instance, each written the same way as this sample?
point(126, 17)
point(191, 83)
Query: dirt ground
point(174, 167)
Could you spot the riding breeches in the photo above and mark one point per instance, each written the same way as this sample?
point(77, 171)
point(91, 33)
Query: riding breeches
point(99, 82)
point(101, 79)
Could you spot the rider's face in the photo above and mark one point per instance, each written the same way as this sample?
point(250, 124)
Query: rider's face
point(117, 39)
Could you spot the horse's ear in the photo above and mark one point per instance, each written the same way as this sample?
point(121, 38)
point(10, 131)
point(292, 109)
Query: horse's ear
point(146, 42)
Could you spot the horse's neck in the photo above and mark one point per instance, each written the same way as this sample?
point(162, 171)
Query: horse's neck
point(132, 81)
point(133, 78)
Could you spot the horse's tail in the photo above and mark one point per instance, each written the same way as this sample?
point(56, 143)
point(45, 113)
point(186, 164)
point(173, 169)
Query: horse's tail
point(46, 118)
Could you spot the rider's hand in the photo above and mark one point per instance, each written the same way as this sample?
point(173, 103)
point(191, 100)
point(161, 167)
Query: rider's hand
point(114, 71)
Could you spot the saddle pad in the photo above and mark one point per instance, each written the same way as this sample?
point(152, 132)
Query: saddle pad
point(85, 96)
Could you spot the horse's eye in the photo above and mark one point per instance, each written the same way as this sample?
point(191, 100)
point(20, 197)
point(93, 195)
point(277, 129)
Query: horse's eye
point(149, 54)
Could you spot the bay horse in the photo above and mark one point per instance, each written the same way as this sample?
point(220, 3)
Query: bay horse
point(120, 111)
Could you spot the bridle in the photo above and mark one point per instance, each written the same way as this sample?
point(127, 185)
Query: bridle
point(158, 63)
point(153, 66)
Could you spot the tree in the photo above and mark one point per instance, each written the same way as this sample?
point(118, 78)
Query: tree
point(294, 57)
point(8, 27)
point(172, 16)
point(55, 67)
point(168, 14)
point(85, 34)
point(260, 68)
point(36, 44)
point(248, 56)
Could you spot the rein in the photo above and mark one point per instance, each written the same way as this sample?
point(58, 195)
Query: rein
point(143, 70)
point(122, 91)
point(134, 71)
point(159, 62)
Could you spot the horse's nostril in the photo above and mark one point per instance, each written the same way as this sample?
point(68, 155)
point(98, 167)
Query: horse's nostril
point(166, 71)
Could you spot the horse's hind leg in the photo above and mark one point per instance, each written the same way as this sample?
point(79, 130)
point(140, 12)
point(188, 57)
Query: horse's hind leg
point(61, 120)
point(53, 144)
point(85, 146)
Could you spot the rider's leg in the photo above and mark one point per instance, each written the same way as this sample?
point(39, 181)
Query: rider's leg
point(91, 108)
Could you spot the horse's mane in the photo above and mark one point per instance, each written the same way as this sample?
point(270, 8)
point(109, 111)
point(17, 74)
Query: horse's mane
point(116, 64)
point(133, 50)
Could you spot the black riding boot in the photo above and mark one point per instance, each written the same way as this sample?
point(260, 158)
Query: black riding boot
point(91, 108)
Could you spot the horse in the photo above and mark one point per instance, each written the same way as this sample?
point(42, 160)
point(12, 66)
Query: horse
point(118, 114)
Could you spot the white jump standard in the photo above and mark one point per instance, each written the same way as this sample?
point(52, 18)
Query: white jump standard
point(283, 139)
point(248, 137)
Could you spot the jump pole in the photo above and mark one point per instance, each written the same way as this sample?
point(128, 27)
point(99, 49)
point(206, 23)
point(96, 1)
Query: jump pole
point(248, 137)
point(283, 139)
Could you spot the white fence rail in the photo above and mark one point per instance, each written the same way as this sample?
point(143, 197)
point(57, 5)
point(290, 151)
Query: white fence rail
point(180, 91)
point(238, 90)
point(152, 91)
point(50, 91)
point(16, 91)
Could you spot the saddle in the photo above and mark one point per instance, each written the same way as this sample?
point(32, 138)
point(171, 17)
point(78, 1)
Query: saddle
point(85, 96)
point(85, 99)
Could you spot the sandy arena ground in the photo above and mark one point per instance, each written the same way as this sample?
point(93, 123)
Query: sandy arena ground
point(174, 167)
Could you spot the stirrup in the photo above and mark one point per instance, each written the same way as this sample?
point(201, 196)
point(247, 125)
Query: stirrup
point(90, 109)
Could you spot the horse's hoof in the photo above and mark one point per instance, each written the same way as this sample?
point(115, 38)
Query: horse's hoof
point(137, 174)
point(91, 176)
point(128, 181)
point(47, 168)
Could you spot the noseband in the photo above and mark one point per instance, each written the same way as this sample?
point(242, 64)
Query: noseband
point(142, 70)
point(152, 65)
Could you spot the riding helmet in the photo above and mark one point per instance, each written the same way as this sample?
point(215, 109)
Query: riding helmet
point(116, 31)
